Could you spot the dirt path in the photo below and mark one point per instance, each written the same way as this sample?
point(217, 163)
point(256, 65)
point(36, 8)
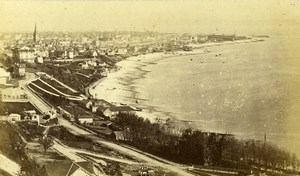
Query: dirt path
point(9, 165)
point(72, 153)
point(154, 161)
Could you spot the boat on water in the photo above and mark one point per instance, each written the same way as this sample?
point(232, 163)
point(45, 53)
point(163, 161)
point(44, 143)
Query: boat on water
point(138, 109)
point(258, 40)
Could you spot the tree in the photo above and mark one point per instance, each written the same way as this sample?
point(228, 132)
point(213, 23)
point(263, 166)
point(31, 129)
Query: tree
point(191, 147)
point(294, 161)
point(30, 167)
point(46, 142)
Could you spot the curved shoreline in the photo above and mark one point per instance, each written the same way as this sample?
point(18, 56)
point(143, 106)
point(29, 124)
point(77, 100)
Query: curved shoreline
point(132, 64)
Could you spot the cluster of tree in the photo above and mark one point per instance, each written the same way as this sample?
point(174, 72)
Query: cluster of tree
point(46, 142)
point(6, 60)
point(32, 168)
point(13, 147)
point(260, 153)
point(29, 130)
point(63, 134)
point(32, 130)
point(111, 60)
point(113, 169)
point(72, 140)
point(197, 147)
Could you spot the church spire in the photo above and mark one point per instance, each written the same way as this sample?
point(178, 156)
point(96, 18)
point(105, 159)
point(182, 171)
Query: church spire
point(34, 34)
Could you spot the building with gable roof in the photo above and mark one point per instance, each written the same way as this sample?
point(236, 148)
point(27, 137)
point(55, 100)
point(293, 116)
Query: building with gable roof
point(4, 76)
point(26, 54)
point(83, 168)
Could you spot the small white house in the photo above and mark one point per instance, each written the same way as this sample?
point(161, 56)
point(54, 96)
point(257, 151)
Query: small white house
point(95, 54)
point(86, 103)
point(94, 108)
point(40, 59)
point(87, 119)
point(4, 76)
point(35, 117)
point(71, 55)
point(109, 113)
point(14, 117)
point(32, 115)
point(83, 168)
point(30, 112)
point(122, 51)
point(84, 65)
point(102, 64)
point(92, 63)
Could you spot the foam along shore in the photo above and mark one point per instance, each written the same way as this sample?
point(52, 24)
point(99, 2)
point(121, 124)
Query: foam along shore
point(118, 86)
point(112, 87)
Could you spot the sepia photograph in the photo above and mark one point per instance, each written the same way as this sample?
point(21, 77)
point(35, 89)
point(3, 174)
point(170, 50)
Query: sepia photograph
point(149, 88)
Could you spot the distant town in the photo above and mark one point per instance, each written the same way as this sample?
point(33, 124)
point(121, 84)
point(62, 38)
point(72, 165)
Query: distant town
point(52, 125)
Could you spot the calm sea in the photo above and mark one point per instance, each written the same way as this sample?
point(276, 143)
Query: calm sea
point(247, 89)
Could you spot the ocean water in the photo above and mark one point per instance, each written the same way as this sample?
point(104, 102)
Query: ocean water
point(247, 89)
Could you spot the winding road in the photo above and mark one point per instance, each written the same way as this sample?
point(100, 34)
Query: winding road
point(135, 153)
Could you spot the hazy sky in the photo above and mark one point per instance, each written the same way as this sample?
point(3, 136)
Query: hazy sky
point(200, 16)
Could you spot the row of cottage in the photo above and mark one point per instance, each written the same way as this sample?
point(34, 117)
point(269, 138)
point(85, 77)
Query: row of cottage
point(33, 116)
point(97, 106)
point(32, 54)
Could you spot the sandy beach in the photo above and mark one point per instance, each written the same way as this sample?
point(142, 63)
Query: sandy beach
point(118, 87)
